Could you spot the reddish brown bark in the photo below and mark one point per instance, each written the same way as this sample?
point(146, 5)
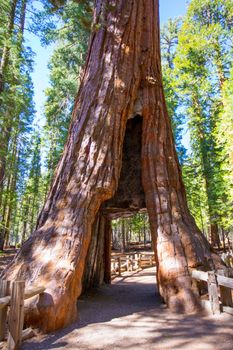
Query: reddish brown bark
point(122, 78)
point(98, 261)
point(214, 235)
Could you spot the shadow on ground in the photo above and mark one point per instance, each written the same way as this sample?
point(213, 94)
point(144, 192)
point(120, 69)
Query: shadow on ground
point(129, 314)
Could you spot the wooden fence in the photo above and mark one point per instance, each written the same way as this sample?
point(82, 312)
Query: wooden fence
point(12, 296)
point(130, 262)
point(219, 289)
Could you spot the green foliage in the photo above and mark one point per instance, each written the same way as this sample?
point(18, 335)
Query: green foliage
point(169, 41)
point(196, 192)
point(57, 19)
point(130, 230)
point(32, 192)
point(24, 185)
point(224, 137)
point(202, 68)
point(16, 111)
point(65, 72)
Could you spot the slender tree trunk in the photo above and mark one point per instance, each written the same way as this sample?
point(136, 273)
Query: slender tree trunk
point(4, 143)
point(206, 166)
point(107, 251)
point(126, 233)
point(6, 49)
point(24, 218)
point(144, 234)
point(219, 65)
point(34, 209)
point(10, 204)
point(24, 230)
point(4, 213)
point(122, 78)
point(223, 240)
point(123, 235)
point(17, 240)
point(7, 123)
point(23, 16)
point(214, 235)
point(6, 126)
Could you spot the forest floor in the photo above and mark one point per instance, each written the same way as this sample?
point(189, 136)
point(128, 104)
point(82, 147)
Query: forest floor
point(129, 314)
point(5, 257)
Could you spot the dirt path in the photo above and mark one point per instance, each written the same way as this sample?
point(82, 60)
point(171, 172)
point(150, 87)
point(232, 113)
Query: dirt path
point(129, 315)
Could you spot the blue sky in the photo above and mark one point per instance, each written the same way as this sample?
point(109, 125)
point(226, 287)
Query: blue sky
point(40, 76)
point(171, 8)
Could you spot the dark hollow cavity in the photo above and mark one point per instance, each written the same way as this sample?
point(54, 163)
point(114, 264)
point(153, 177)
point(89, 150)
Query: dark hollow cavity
point(129, 197)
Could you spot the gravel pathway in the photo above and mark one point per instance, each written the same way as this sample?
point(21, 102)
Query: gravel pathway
point(129, 315)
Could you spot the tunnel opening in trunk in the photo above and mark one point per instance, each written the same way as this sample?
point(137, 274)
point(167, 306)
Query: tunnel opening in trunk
point(128, 201)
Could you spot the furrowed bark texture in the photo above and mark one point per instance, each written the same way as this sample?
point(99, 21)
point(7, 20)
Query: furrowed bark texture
point(122, 78)
point(98, 260)
point(178, 243)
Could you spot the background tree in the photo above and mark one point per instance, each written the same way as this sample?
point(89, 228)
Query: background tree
point(17, 113)
point(65, 67)
point(202, 64)
point(169, 42)
point(20, 197)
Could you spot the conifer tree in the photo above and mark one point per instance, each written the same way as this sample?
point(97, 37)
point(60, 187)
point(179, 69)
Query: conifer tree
point(202, 66)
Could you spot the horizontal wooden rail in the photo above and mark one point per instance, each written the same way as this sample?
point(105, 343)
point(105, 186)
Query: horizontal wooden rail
point(222, 280)
point(29, 293)
point(13, 294)
point(5, 301)
point(225, 281)
point(200, 275)
point(218, 284)
point(33, 291)
point(131, 261)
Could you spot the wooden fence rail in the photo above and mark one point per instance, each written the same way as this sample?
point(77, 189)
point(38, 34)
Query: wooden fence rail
point(219, 289)
point(130, 262)
point(12, 296)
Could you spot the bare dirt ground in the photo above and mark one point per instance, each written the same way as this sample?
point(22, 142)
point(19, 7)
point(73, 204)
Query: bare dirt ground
point(129, 315)
point(5, 257)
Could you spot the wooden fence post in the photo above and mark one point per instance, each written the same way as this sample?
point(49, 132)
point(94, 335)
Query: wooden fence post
point(131, 263)
point(127, 263)
point(139, 261)
point(213, 292)
point(4, 291)
point(136, 260)
point(16, 315)
point(119, 265)
point(225, 293)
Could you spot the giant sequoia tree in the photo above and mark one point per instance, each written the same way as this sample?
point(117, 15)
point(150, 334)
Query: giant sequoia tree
point(119, 127)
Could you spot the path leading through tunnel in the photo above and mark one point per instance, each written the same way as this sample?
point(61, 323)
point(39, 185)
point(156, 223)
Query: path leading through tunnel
point(130, 315)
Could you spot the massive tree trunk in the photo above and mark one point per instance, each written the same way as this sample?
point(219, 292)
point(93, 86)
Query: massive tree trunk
point(122, 79)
